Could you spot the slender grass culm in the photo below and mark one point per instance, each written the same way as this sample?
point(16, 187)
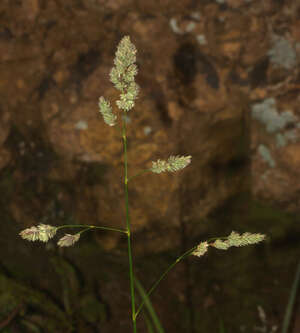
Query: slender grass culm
point(122, 76)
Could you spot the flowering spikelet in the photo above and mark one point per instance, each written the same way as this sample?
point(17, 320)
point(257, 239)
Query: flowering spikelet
point(46, 232)
point(42, 232)
point(201, 249)
point(235, 239)
point(220, 244)
point(106, 111)
point(122, 75)
point(68, 240)
point(30, 234)
point(174, 163)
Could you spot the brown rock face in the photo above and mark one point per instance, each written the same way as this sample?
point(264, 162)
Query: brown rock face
point(220, 82)
point(199, 68)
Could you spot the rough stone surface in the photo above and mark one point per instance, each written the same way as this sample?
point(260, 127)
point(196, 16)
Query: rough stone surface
point(219, 81)
point(195, 99)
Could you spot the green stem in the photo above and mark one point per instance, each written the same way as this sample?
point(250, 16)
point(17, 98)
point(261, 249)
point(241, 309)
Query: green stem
point(185, 254)
point(128, 230)
point(139, 173)
point(91, 227)
point(82, 231)
point(291, 302)
point(117, 128)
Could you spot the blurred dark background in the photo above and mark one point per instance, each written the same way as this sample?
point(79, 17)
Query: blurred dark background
point(219, 81)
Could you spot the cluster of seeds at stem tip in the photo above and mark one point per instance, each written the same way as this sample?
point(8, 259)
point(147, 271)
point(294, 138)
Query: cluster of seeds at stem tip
point(234, 239)
point(44, 232)
point(122, 76)
point(174, 163)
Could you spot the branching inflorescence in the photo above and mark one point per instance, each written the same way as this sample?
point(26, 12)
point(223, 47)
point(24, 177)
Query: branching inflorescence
point(122, 75)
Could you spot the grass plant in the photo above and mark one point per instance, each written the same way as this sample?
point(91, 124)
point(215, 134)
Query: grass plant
point(122, 75)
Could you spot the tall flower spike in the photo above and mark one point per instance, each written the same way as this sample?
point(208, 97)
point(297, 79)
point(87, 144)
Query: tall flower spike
point(122, 75)
point(106, 111)
point(174, 163)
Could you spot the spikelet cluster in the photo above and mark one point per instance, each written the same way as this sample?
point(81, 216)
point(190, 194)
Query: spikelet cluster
point(105, 109)
point(201, 249)
point(122, 76)
point(44, 232)
point(173, 164)
point(123, 73)
point(68, 240)
point(234, 239)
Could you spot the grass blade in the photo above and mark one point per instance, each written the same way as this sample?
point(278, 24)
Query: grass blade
point(148, 324)
point(149, 306)
point(289, 308)
point(221, 327)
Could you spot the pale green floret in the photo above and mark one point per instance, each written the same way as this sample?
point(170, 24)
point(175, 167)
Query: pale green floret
point(125, 104)
point(174, 163)
point(245, 239)
point(42, 232)
point(68, 240)
point(126, 101)
point(46, 232)
point(131, 73)
point(159, 166)
point(234, 239)
point(30, 234)
point(106, 111)
point(132, 91)
point(220, 244)
point(115, 79)
point(201, 249)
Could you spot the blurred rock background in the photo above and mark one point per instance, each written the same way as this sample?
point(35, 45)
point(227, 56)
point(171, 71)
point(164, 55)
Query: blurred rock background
point(219, 81)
